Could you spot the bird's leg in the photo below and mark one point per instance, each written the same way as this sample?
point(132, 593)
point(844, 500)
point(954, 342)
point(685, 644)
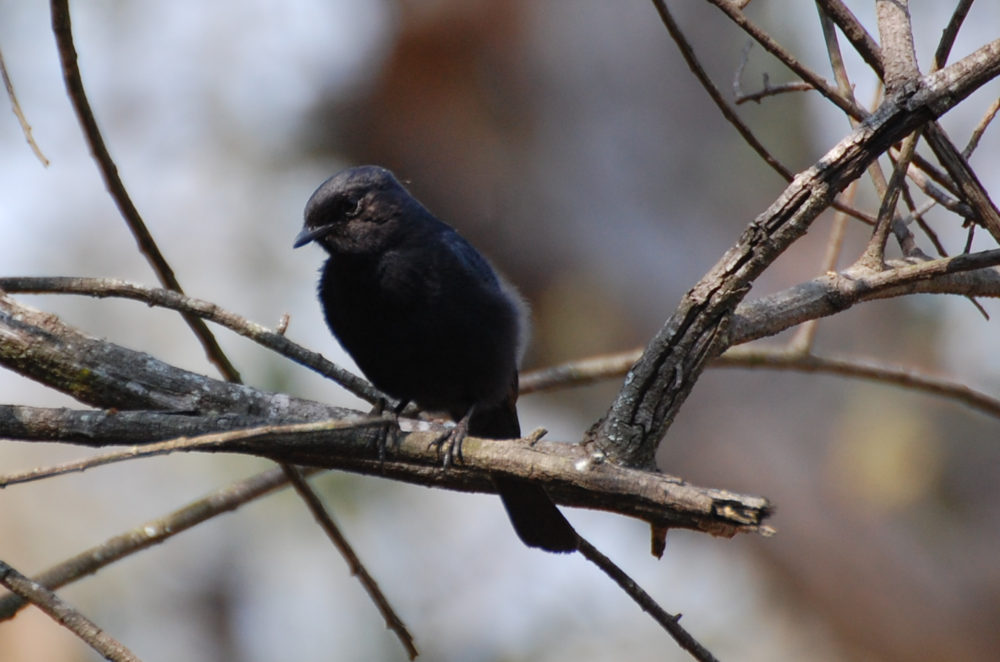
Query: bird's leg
point(390, 433)
point(452, 440)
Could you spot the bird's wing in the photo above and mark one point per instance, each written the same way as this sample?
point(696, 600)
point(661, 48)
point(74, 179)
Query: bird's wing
point(472, 261)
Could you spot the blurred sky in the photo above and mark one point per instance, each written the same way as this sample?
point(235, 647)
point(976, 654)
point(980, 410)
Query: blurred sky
point(592, 169)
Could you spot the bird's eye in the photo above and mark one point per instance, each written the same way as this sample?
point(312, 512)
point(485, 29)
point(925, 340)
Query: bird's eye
point(353, 210)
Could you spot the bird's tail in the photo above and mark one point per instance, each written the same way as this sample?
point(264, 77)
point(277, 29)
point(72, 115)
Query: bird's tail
point(536, 519)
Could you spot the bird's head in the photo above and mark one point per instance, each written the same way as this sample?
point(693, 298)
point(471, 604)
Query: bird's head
point(358, 210)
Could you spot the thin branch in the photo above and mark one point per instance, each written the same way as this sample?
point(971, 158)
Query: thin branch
point(767, 90)
point(874, 255)
point(141, 428)
point(669, 622)
point(65, 615)
point(903, 235)
point(612, 366)
point(806, 334)
point(687, 52)
point(863, 43)
point(357, 568)
point(939, 196)
point(834, 54)
point(657, 386)
point(981, 128)
point(151, 296)
point(63, 31)
point(950, 33)
point(16, 107)
point(882, 373)
point(147, 245)
point(965, 274)
point(392, 620)
point(962, 174)
point(102, 374)
point(897, 40)
point(871, 52)
point(578, 372)
point(151, 533)
point(781, 53)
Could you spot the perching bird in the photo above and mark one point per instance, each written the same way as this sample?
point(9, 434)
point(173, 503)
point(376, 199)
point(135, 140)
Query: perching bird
point(427, 320)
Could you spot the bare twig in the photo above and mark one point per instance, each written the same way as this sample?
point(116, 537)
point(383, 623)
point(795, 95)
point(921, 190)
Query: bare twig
point(133, 373)
point(777, 50)
point(687, 52)
point(962, 182)
point(767, 90)
point(898, 227)
point(140, 428)
point(908, 378)
point(292, 473)
point(147, 245)
point(65, 615)
point(980, 129)
point(591, 370)
point(273, 340)
point(965, 179)
point(657, 386)
point(848, 23)
point(63, 31)
point(874, 255)
point(16, 107)
point(101, 374)
point(950, 32)
point(899, 60)
point(806, 334)
point(392, 620)
point(939, 196)
point(669, 622)
point(151, 533)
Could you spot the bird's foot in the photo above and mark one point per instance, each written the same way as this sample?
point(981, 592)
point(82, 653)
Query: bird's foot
point(450, 442)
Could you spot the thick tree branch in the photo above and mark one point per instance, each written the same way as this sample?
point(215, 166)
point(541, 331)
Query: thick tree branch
point(41, 347)
point(572, 475)
point(153, 296)
point(106, 375)
point(970, 275)
point(658, 384)
point(899, 58)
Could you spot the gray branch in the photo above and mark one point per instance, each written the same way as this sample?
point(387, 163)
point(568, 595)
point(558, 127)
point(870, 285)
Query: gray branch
point(661, 380)
point(102, 374)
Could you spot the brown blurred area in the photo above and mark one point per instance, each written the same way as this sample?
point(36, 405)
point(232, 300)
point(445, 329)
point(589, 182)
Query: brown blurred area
point(887, 501)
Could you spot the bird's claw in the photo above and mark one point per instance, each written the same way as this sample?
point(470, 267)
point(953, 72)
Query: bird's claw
point(450, 443)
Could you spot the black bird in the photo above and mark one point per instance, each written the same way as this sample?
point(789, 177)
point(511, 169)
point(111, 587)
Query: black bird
point(427, 320)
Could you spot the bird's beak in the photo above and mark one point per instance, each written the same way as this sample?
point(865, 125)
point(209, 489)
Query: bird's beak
point(311, 234)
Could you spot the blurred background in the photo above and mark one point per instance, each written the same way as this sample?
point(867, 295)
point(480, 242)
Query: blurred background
point(569, 142)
